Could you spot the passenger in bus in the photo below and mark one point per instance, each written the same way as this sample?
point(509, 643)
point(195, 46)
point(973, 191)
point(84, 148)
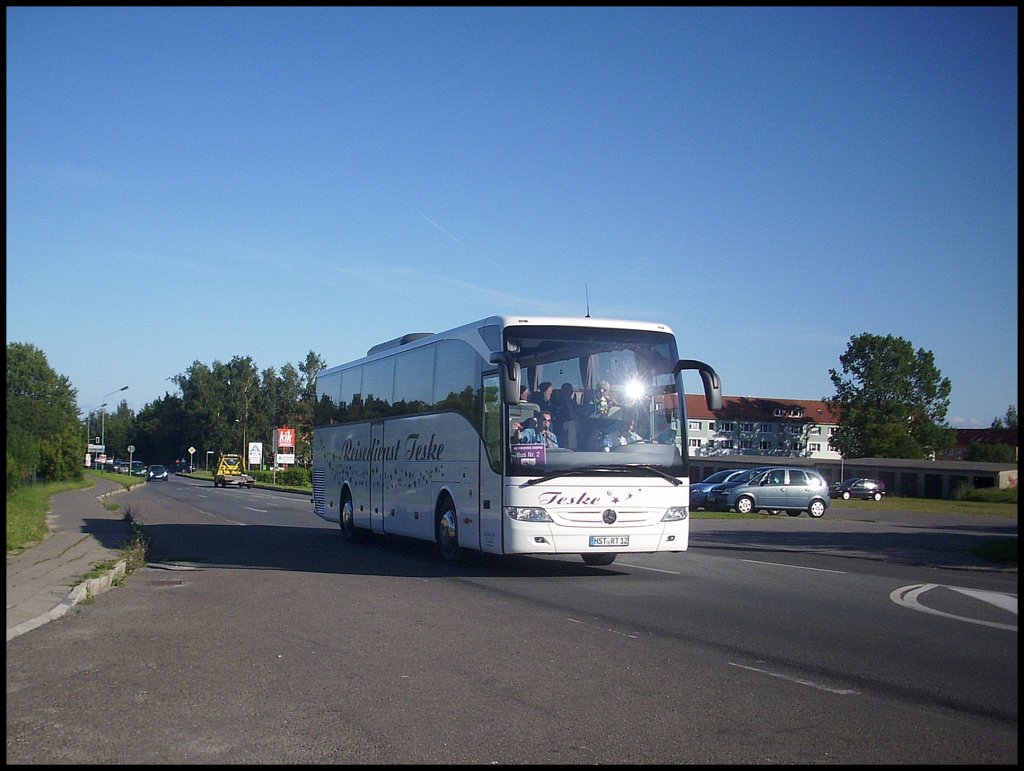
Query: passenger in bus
point(524, 394)
point(542, 396)
point(565, 414)
point(563, 405)
point(627, 433)
point(536, 431)
point(605, 402)
point(664, 433)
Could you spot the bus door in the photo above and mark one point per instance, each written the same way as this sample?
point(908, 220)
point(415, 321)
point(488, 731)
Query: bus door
point(377, 479)
point(490, 467)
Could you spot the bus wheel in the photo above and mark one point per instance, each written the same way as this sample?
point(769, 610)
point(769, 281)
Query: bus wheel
point(447, 533)
point(599, 559)
point(349, 531)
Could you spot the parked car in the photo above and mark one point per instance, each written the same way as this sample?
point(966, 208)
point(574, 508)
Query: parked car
point(699, 490)
point(861, 487)
point(156, 471)
point(775, 488)
point(121, 467)
point(138, 469)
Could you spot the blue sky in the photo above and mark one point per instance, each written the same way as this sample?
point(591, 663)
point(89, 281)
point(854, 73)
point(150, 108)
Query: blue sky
point(194, 184)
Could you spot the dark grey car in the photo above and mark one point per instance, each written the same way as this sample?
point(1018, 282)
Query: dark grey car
point(156, 471)
point(699, 490)
point(867, 489)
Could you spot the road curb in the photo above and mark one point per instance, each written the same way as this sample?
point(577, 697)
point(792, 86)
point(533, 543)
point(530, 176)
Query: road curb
point(84, 590)
point(89, 588)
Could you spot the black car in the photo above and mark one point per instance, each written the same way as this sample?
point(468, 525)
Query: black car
point(861, 487)
point(156, 471)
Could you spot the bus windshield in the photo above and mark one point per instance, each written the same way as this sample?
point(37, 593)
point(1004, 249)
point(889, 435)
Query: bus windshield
point(594, 398)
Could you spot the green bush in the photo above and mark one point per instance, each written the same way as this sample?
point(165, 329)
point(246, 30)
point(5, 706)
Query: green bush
point(965, 492)
point(296, 476)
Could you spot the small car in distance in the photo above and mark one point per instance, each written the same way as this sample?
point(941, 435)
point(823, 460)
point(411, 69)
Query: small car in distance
point(861, 487)
point(156, 471)
point(775, 488)
point(699, 490)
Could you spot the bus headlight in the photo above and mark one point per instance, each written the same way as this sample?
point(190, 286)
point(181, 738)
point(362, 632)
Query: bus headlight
point(527, 513)
point(675, 513)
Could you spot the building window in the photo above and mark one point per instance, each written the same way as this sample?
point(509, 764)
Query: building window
point(815, 430)
point(696, 442)
point(693, 425)
point(779, 412)
point(745, 444)
point(766, 428)
point(796, 412)
point(815, 447)
point(726, 425)
point(766, 445)
point(746, 426)
point(832, 430)
point(725, 444)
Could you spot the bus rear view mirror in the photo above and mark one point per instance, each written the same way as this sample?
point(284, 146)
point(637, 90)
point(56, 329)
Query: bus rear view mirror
point(712, 383)
point(509, 376)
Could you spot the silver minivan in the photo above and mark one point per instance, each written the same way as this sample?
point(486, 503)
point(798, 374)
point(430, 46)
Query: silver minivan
point(776, 488)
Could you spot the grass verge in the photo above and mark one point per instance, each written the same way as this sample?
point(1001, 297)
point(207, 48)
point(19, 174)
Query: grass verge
point(27, 509)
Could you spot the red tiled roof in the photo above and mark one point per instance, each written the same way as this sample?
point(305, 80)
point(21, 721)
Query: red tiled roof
point(760, 409)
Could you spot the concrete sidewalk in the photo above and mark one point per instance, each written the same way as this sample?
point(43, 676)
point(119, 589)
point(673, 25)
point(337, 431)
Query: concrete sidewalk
point(46, 580)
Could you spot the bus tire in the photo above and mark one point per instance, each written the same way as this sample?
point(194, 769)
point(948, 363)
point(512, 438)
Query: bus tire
point(599, 559)
point(346, 520)
point(446, 532)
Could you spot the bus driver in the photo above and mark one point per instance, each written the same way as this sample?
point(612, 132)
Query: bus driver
point(538, 431)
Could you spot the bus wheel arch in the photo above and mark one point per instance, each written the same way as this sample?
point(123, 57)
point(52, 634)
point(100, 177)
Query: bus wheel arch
point(346, 519)
point(446, 531)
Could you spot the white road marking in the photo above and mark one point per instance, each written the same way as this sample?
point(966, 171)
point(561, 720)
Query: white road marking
point(907, 596)
point(797, 680)
point(797, 567)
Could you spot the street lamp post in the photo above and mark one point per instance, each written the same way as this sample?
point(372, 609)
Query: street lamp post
point(100, 408)
point(103, 415)
point(90, 440)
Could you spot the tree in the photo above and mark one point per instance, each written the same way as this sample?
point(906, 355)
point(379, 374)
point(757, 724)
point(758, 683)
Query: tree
point(1010, 421)
point(43, 432)
point(892, 401)
point(160, 430)
point(990, 453)
point(311, 367)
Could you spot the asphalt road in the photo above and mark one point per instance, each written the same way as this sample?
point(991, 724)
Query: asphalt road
point(258, 636)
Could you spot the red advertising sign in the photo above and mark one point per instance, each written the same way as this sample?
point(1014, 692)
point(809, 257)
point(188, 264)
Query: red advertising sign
point(286, 437)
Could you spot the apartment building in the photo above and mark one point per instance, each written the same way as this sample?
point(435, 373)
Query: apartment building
point(748, 425)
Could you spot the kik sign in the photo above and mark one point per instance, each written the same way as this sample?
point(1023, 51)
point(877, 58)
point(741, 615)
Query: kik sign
point(286, 437)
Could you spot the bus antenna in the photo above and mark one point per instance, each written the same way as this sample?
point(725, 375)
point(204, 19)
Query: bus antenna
point(587, 292)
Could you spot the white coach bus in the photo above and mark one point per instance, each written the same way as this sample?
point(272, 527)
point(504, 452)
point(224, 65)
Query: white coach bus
point(422, 438)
